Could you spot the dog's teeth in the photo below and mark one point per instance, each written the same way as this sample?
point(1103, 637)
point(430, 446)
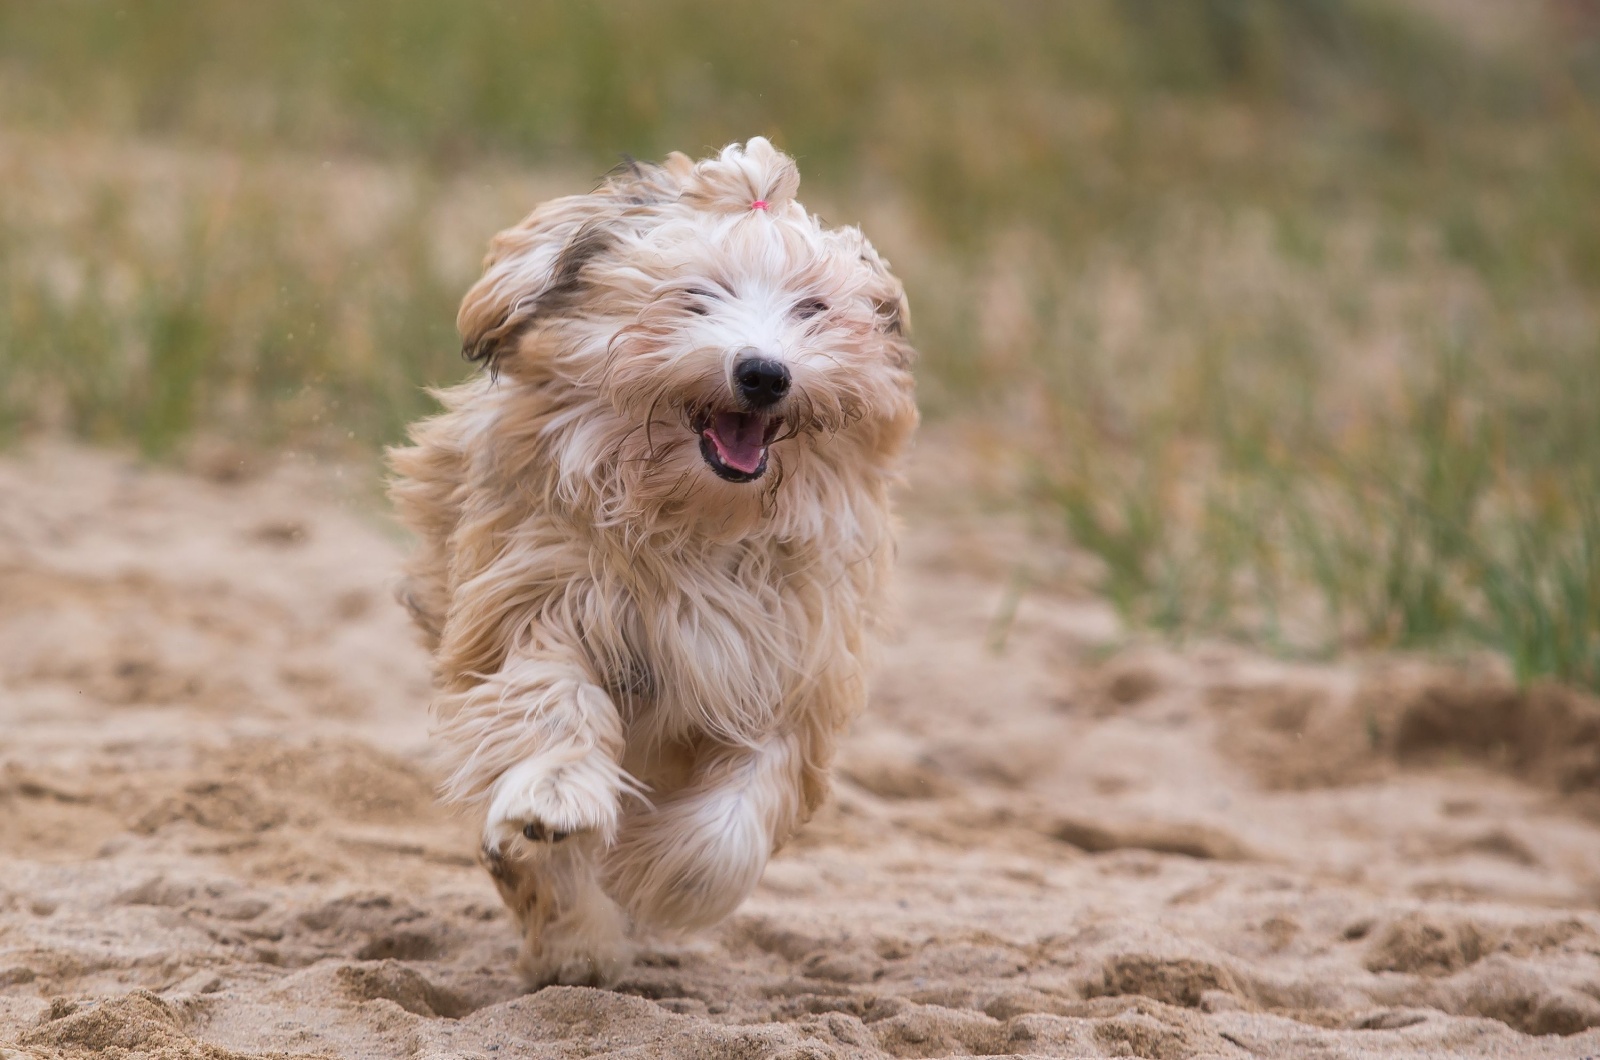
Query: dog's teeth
point(740, 439)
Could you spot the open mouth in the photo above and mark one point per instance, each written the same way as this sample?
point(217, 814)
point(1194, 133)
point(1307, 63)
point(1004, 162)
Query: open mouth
point(735, 444)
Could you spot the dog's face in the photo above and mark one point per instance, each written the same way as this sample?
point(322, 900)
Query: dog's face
point(710, 354)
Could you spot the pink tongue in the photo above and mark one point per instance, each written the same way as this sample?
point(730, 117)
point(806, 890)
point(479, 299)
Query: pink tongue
point(738, 439)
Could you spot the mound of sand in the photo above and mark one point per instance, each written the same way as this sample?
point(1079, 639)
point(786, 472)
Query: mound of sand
point(217, 838)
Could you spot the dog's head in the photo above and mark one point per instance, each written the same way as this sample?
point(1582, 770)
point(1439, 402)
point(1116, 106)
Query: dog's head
point(706, 352)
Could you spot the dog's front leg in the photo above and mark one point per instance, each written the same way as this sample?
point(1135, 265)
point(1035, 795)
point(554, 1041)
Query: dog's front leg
point(692, 857)
point(540, 744)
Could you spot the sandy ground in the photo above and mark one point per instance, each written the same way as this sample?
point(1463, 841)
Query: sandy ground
point(217, 838)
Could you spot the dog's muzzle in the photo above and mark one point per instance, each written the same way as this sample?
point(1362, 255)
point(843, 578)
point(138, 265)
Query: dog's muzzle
point(734, 442)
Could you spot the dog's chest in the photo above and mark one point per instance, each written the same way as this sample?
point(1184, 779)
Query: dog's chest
point(724, 654)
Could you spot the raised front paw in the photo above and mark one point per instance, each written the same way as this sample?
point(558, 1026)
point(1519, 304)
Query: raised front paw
point(548, 798)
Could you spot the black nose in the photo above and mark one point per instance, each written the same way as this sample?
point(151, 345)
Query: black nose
point(761, 382)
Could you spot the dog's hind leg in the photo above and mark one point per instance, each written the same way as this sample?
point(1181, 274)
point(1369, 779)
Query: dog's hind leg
point(572, 933)
point(689, 860)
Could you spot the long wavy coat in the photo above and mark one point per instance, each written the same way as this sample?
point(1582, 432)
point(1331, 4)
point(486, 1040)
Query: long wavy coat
point(654, 540)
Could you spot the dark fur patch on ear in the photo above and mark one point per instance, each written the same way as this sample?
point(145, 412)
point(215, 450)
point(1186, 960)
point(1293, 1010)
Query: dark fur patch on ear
point(891, 314)
point(487, 346)
point(890, 317)
point(566, 286)
point(561, 295)
point(639, 183)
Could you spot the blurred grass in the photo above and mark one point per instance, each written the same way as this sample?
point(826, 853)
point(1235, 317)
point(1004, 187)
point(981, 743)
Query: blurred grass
point(1288, 308)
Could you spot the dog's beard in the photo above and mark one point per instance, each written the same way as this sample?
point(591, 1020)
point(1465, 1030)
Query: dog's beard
point(691, 458)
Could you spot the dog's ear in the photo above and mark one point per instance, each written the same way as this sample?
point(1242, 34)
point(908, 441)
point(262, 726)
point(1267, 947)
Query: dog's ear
point(894, 315)
point(890, 307)
point(533, 272)
point(894, 320)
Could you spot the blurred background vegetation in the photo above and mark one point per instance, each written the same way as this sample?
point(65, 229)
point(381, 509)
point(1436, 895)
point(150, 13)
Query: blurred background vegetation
point(1286, 311)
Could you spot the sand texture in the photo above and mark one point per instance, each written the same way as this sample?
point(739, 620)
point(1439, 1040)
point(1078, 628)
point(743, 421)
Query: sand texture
point(218, 840)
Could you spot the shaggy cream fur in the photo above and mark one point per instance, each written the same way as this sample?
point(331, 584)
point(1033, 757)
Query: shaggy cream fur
point(650, 577)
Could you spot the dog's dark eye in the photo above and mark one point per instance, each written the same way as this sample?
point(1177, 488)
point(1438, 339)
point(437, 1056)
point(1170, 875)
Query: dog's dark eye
point(807, 310)
point(698, 297)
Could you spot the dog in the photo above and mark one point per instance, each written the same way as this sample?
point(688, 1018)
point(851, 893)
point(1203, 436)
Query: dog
point(654, 539)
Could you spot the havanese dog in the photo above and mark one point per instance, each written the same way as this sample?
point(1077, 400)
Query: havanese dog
point(654, 537)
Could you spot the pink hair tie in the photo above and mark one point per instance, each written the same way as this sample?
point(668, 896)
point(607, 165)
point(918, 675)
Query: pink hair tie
point(759, 204)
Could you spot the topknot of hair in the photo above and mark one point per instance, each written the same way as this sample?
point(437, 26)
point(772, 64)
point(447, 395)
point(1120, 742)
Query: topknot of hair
point(742, 175)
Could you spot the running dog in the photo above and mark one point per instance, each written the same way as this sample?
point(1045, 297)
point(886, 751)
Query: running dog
point(654, 539)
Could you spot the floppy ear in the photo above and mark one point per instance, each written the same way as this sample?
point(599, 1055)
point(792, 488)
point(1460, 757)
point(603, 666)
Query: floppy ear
point(533, 272)
point(890, 307)
point(894, 314)
point(894, 320)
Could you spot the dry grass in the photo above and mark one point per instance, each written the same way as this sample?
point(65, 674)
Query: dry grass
point(1290, 309)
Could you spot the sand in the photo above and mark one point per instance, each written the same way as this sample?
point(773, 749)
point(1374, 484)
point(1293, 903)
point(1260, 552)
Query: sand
point(217, 835)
